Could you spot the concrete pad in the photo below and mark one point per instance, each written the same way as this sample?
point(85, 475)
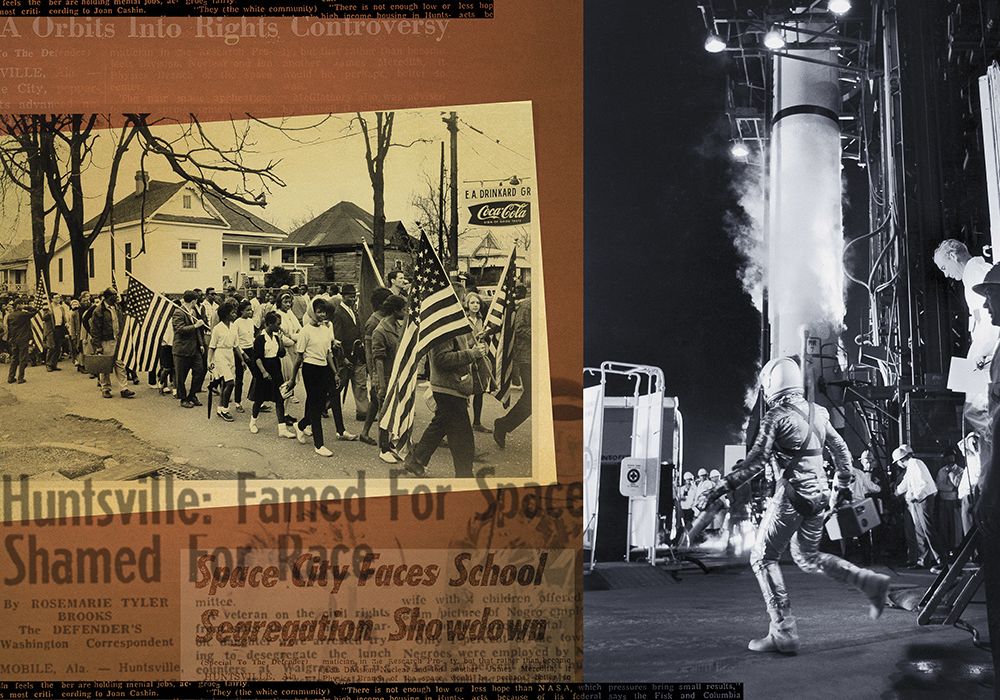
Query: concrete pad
point(696, 628)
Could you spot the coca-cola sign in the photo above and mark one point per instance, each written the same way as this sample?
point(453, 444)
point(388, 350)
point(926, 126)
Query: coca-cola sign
point(500, 213)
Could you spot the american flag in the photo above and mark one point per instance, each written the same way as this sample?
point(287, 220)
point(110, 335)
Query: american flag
point(40, 302)
point(146, 317)
point(436, 315)
point(499, 327)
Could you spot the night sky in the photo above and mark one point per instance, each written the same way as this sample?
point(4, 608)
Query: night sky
point(662, 283)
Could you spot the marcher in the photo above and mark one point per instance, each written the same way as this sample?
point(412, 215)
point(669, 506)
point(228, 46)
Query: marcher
point(348, 330)
point(378, 296)
point(482, 375)
point(290, 329)
point(187, 348)
point(57, 321)
point(520, 411)
point(266, 367)
point(105, 331)
point(451, 383)
point(222, 350)
point(244, 343)
point(385, 343)
point(314, 350)
point(398, 283)
point(789, 446)
point(18, 323)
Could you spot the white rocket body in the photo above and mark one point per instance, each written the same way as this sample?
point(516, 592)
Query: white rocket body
point(805, 237)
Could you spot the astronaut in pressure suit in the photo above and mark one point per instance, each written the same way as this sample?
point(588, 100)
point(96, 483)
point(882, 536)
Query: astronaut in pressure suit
point(790, 447)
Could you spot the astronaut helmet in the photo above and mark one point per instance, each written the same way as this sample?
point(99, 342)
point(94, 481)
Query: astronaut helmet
point(715, 474)
point(702, 472)
point(688, 476)
point(780, 376)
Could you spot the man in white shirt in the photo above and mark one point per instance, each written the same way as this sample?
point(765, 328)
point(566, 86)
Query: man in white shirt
point(919, 489)
point(686, 494)
point(954, 260)
point(60, 327)
point(211, 307)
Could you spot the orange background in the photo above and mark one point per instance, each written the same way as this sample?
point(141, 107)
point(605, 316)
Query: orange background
point(529, 51)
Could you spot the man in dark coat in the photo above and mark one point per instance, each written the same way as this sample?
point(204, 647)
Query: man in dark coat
point(348, 330)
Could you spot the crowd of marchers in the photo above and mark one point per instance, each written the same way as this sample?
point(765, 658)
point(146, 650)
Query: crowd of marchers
point(249, 350)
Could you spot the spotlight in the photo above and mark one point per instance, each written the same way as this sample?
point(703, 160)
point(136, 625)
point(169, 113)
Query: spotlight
point(739, 150)
point(839, 7)
point(774, 40)
point(714, 43)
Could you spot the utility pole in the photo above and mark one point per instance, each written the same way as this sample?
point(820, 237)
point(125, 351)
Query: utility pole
point(452, 122)
point(440, 221)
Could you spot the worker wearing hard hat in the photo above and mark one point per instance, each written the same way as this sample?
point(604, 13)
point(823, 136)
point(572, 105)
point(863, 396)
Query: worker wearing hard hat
point(687, 496)
point(719, 520)
point(789, 447)
point(702, 485)
point(919, 489)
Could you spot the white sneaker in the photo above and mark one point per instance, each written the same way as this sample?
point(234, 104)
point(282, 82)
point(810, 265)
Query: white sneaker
point(324, 451)
point(346, 436)
point(388, 457)
point(253, 426)
point(299, 435)
point(284, 432)
point(308, 431)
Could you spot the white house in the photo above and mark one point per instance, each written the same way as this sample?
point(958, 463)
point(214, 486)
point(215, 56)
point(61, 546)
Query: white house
point(192, 240)
point(15, 264)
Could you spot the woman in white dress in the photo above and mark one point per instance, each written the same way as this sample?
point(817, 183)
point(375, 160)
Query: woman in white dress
point(290, 329)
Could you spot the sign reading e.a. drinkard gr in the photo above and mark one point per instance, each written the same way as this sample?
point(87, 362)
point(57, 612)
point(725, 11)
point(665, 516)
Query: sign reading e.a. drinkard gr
point(505, 213)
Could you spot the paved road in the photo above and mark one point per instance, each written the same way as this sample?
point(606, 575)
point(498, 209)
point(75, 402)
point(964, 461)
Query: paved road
point(697, 628)
point(66, 407)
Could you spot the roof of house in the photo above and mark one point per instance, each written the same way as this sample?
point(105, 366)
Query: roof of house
point(157, 193)
point(492, 243)
point(19, 252)
point(343, 224)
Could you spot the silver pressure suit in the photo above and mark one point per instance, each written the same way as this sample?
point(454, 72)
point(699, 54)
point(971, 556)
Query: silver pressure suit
point(791, 450)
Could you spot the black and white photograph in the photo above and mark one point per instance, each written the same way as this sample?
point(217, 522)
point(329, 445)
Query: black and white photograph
point(295, 298)
point(792, 313)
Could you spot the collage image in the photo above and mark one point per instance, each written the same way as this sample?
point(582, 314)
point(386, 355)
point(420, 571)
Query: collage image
point(577, 350)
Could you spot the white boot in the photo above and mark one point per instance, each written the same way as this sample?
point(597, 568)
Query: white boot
point(782, 637)
point(876, 589)
point(284, 432)
point(253, 426)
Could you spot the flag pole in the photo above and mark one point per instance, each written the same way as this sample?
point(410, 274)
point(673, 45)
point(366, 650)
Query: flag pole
point(371, 261)
point(503, 276)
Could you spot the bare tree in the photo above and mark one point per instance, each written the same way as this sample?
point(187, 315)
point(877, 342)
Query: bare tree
point(23, 162)
point(67, 142)
point(428, 202)
point(375, 155)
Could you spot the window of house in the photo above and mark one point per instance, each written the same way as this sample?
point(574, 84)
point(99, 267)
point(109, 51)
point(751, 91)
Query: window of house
point(256, 257)
point(91, 269)
point(60, 269)
point(128, 257)
point(186, 201)
point(189, 255)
